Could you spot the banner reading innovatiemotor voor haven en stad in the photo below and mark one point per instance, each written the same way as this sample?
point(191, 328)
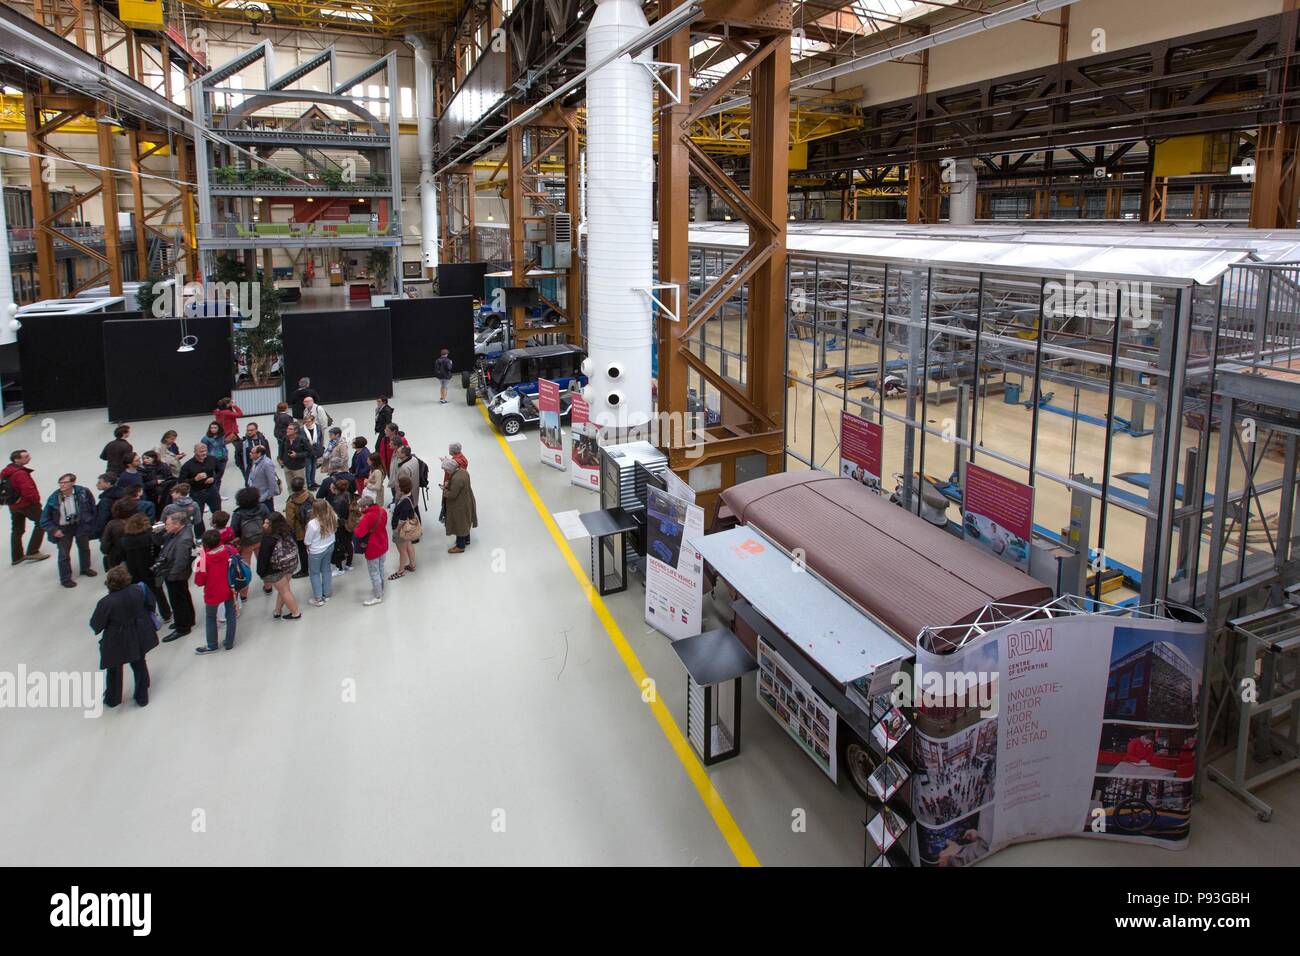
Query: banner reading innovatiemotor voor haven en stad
point(1076, 726)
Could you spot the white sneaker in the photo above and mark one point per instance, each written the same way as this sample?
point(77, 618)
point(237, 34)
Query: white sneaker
point(371, 602)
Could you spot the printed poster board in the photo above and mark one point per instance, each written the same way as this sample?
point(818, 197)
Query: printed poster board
point(998, 515)
point(674, 582)
point(584, 446)
point(799, 709)
point(1077, 726)
point(861, 445)
point(552, 438)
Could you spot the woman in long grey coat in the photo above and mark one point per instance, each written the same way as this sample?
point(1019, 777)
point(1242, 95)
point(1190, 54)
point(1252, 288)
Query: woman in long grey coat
point(462, 512)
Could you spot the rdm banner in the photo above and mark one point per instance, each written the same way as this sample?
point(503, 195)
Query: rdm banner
point(1079, 725)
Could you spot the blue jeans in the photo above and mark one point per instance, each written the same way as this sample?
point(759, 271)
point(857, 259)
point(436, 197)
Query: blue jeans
point(376, 568)
point(311, 472)
point(231, 618)
point(320, 572)
point(462, 541)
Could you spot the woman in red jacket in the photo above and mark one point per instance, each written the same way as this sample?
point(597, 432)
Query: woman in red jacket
point(227, 415)
point(373, 529)
point(213, 576)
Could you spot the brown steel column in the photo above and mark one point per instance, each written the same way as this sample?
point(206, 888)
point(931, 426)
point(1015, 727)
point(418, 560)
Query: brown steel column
point(108, 199)
point(769, 189)
point(471, 210)
point(42, 204)
point(444, 234)
point(1274, 195)
point(189, 217)
point(137, 194)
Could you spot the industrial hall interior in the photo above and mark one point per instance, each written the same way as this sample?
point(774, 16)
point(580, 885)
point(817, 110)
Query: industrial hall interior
point(837, 433)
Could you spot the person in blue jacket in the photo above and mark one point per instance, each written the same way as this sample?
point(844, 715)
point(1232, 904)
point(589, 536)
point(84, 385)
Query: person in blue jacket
point(69, 516)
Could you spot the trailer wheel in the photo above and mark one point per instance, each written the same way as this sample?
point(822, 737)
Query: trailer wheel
point(855, 758)
point(471, 396)
point(464, 378)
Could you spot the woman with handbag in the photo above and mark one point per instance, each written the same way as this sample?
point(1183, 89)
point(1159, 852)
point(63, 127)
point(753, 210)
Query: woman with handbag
point(124, 619)
point(406, 528)
point(139, 551)
point(277, 560)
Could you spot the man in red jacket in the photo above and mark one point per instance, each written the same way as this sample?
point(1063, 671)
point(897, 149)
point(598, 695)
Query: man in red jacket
point(373, 530)
point(25, 506)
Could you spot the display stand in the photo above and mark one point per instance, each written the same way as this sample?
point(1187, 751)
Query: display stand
point(715, 662)
point(887, 824)
point(608, 561)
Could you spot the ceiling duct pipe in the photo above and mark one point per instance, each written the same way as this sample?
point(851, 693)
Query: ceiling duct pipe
point(424, 107)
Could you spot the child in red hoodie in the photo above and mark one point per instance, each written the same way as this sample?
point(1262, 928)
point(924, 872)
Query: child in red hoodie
point(221, 521)
point(213, 576)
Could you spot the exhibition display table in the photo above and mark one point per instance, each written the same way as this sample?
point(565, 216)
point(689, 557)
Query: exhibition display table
point(608, 562)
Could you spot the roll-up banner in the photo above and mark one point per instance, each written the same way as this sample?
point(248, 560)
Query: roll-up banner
point(552, 438)
point(1074, 726)
point(674, 581)
point(584, 446)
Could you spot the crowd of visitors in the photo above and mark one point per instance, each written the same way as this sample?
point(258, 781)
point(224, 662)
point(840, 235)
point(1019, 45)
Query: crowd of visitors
point(162, 523)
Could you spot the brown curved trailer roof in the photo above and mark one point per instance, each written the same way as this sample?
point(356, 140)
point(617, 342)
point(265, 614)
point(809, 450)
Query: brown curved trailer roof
point(901, 569)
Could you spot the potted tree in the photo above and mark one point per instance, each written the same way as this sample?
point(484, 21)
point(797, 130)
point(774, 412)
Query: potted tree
point(258, 345)
point(380, 264)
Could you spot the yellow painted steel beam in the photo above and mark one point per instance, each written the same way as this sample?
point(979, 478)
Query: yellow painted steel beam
point(388, 18)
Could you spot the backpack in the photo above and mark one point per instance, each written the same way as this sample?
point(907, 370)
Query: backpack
point(244, 536)
point(238, 573)
point(424, 480)
point(284, 556)
point(304, 511)
point(442, 367)
point(8, 494)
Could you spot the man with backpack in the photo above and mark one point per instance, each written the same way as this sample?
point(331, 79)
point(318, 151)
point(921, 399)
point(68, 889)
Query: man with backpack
point(297, 511)
point(442, 369)
point(18, 491)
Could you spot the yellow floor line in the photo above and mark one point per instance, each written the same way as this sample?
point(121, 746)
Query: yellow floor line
point(17, 421)
point(713, 801)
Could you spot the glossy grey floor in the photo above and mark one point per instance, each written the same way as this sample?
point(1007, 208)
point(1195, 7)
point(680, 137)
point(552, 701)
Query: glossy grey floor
point(493, 721)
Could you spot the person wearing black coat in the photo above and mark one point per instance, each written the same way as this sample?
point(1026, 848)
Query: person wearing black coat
point(383, 415)
point(127, 634)
point(158, 480)
point(304, 390)
point(138, 550)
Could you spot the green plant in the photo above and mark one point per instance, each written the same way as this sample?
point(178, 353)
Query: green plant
point(227, 175)
point(380, 264)
point(377, 181)
point(261, 343)
point(148, 293)
point(333, 179)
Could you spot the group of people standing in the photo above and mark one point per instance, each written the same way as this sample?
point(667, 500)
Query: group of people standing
point(150, 522)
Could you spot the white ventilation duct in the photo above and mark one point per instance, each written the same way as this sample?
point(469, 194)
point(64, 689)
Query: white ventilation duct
point(9, 323)
point(424, 107)
point(620, 220)
point(961, 196)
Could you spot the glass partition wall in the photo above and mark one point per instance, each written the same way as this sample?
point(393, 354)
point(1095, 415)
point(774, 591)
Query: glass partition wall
point(1016, 373)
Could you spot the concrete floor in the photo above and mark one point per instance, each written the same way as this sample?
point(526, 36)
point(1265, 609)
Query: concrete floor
point(486, 691)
